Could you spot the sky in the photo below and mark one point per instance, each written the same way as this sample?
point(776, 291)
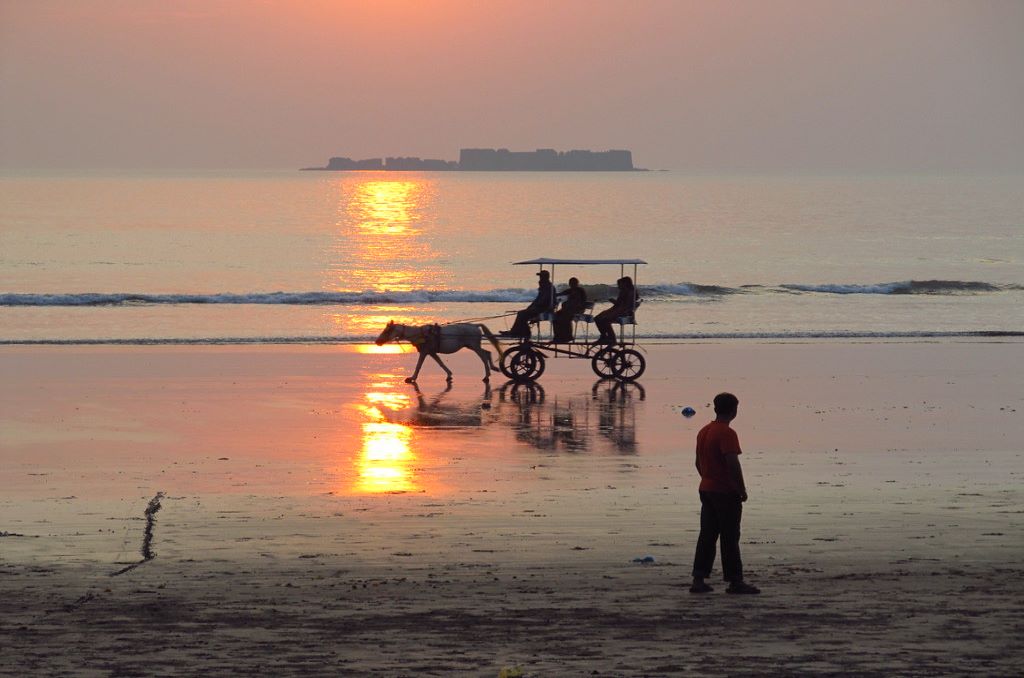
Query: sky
point(703, 86)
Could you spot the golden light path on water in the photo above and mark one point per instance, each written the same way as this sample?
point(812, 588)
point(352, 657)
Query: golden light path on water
point(382, 239)
point(382, 243)
point(387, 457)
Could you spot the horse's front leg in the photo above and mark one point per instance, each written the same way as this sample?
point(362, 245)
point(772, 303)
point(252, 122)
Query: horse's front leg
point(416, 372)
point(444, 367)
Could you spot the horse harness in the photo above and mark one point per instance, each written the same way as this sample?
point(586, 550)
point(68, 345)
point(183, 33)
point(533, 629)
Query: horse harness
point(429, 340)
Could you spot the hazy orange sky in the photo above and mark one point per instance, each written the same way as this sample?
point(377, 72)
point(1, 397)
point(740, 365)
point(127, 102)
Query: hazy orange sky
point(786, 85)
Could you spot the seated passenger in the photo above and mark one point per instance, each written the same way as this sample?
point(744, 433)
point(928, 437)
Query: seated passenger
point(544, 302)
point(624, 304)
point(575, 302)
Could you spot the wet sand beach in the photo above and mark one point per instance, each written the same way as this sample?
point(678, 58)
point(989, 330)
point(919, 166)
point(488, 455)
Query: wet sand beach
point(311, 513)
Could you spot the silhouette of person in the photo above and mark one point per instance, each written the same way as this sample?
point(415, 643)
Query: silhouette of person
point(542, 303)
point(722, 493)
point(623, 304)
point(575, 302)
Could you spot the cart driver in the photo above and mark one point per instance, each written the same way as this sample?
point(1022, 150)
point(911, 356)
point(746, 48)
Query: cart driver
point(544, 302)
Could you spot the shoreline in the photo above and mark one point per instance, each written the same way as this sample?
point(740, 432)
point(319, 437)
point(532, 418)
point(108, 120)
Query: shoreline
point(681, 340)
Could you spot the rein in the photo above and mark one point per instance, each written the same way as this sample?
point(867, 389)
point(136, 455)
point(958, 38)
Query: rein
point(473, 320)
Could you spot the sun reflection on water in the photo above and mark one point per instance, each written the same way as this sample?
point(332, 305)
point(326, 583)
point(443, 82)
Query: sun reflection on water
point(386, 459)
point(372, 322)
point(373, 349)
point(382, 242)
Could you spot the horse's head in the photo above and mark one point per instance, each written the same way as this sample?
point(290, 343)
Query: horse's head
point(387, 335)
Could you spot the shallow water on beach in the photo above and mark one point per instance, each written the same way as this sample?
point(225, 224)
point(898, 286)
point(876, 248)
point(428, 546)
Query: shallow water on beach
point(836, 439)
point(326, 257)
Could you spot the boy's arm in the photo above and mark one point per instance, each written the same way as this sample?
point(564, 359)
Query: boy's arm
point(696, 462)
point(732, 462)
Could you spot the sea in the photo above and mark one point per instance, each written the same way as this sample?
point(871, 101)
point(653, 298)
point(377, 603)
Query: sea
point(280, 257)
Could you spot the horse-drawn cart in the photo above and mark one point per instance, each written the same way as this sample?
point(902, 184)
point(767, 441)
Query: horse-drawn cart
point(525, 359)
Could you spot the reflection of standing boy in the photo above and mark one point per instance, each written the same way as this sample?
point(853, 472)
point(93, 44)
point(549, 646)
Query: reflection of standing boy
point(722, 493)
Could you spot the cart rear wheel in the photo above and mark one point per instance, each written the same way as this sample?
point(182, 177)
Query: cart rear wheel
point(629, 364)
point(522, 363)
point(604, 363)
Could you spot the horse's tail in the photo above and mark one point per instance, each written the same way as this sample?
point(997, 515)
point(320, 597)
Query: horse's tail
point(490, 336)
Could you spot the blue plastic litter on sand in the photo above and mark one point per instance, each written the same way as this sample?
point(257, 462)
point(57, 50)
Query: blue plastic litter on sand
point(645, 560)
point(689, 412)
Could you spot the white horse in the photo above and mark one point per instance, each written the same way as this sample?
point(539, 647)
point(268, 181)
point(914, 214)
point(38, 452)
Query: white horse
point(433, 339)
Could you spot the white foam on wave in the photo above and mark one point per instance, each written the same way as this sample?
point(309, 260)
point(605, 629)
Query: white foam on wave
point(937, 287)
point(658, 292)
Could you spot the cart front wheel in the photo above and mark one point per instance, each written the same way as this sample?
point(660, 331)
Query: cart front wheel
point(629, 364)
point(522, 363)
point(604, 363)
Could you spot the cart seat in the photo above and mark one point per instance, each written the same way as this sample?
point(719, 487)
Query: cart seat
point(587, 316)
point(631, 318)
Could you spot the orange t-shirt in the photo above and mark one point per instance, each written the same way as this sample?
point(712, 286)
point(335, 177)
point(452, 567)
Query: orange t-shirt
point(714, 441)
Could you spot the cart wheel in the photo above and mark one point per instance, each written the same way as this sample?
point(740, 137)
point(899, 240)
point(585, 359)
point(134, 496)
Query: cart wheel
point(603, 362)
point(506, 358)
point(629, 364)
point(522, 363)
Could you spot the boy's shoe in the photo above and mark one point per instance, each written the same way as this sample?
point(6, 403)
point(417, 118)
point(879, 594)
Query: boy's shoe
point(700, 588)
point(742, 587)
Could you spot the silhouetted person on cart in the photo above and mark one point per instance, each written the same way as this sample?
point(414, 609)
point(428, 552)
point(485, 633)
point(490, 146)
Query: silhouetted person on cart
point(575, 302)
point(622, 305)
point(544, 302)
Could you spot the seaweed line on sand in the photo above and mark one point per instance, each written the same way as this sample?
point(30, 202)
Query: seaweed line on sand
point(147, 535)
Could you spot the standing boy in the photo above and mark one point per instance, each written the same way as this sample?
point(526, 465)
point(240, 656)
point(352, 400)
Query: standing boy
point(722, 493)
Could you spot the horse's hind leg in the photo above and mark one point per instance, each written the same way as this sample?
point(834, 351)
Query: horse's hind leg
point(485, 356)
point(443, 366)
point(416, 372)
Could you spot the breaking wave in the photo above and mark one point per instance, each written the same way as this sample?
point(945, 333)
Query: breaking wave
point(938, 287)
point(659, 292)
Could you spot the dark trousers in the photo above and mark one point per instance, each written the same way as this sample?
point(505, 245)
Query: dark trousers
point(521, 327)
point(604, 320)
point(720, 514)
point(563, 324)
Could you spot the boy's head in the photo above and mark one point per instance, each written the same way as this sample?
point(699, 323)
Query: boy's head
point(726, 405)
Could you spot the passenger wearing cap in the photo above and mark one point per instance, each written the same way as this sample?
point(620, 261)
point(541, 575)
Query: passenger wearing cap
point(544, 302)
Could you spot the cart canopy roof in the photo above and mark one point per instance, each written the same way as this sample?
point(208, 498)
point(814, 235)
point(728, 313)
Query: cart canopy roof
point(580, 262)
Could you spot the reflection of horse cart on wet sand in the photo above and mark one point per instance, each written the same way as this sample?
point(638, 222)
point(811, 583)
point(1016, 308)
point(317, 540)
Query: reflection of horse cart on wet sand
point(611, 355)
point(618, 359)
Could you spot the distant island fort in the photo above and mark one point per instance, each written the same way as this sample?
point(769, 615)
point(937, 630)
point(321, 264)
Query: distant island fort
point(496, 160)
